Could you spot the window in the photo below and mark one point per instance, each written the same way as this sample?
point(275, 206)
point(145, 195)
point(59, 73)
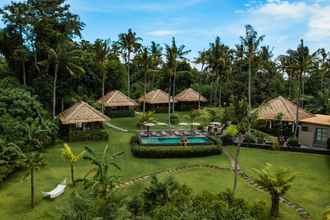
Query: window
point(304, 128)
point(321, 136)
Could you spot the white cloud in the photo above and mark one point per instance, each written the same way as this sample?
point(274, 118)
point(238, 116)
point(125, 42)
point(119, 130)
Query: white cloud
point(319, 24)
point(161, 33)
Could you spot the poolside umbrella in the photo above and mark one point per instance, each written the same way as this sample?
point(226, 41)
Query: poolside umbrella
point(194, 124)
point(215, 123)
point(148, 125)
point(161, 124)
point(183, 124)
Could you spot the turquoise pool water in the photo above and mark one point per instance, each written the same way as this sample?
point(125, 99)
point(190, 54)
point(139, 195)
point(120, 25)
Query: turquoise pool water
point(173, 140)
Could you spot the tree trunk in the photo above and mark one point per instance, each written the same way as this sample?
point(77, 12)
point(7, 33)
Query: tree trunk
point(173, 92)
point(128, 75)
point(103, 89)
point(62, 104)
point(145, 91)
point(72, 174)
point(24, 73)
point(236, 171)
point(54, 90)
point(274, 211)
point(249, 81)
point(32, 186)
point(169, 101)
point(199, 86)
point(298, 103)
point(220, 101)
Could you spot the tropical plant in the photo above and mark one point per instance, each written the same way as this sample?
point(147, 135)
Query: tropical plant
point(276, 183)
point(146, 117)
point(251, 42)
point(173, 54)
point(62, 58)
point(129, 44)
point(72, 158)
point(101, 182)
point(202, 60)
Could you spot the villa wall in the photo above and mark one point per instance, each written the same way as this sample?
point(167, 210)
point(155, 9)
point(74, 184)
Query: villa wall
point(307, 137)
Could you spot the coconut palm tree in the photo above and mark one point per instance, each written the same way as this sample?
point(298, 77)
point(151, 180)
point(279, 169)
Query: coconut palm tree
point(102, 51)
point(173, 54)
point(129, 44)
point(251, 42)
point(276, 183)
point(202, 60)
point(65, 59)
point(301, 63)
point(31, 161)
point(156, 59)
point(72, 158)
point(144, 60)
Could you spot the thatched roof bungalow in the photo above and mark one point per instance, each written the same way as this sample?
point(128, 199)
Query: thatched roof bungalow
point(189, 98)
point(117, 103)
point(156, 99)
point(82, 112)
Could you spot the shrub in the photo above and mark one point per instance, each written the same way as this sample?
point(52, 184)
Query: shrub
point(276, 145)
point(174, 119)
point(90, 135)
point(293, 141)
point(121, 113)
point(134, 140)
point(227, 139)
point(174, 151)
point(250, 138)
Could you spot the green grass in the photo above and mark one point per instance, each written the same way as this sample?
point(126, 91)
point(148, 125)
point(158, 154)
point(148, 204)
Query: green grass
point(311, 185)
point(311, 189)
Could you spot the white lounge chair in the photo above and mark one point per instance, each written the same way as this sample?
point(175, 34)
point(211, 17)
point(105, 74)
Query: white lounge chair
point(59, 190)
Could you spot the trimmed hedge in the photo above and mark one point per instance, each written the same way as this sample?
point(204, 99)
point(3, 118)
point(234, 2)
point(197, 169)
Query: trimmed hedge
point(174, 151)
point(89, 135)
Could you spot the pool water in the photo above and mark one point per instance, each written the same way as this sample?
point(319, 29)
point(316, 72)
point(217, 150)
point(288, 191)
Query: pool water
point(173, 140)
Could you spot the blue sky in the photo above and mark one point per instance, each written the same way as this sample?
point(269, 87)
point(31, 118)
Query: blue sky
point(195, 23)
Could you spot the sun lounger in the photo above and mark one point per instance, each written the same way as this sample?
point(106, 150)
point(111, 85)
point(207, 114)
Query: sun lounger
point(59, 190)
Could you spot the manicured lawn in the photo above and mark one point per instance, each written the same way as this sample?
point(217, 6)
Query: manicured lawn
point(311, 187)
point(311, 190)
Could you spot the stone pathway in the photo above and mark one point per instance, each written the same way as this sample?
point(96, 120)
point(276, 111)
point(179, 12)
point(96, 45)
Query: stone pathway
point(298, 208)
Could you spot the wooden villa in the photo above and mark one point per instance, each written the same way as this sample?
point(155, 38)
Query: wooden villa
point(118, 104)
point(81, 117)
point(156, 100)
point(189, 98)
point(270, 111)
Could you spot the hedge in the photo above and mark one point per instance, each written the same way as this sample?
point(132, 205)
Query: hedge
point(121, 113)
point(89, 135)
point(174, 151)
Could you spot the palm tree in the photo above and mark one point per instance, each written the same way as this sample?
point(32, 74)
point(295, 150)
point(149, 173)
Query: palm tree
point(31, 161)
point(129, 44)
point(276, 183)
point(301, 63)
point(102, 51)
point(202, 60)
point(63, 58)
point(72, 158)
point(251, 42)
point(144, 60)
point(173, 54)
point(156, 60)
point(101, 181)
point(218, 61)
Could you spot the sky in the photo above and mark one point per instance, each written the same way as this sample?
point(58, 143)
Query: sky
point(195, 23)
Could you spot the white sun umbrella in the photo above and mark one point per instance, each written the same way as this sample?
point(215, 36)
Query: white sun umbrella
point(161, 124)
point(183, 124)
point(148, 125)
point(195, 124)
point(215, 123)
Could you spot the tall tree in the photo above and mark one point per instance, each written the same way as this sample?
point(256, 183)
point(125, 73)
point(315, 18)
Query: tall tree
point(251, 42)
point(72, 158)
point(65, 59)
point(156, 60)
point(129, 44)
point(144, 60)
point(173, 54)
point(202, 60)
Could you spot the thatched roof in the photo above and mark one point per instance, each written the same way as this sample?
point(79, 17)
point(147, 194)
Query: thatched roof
point(318, 120)
point(270, 109)
point(81, 112)
point(190, 95)
point(157, 96)
point(116, 99)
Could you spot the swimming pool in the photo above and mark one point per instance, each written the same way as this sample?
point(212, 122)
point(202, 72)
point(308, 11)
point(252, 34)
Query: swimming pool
point(173, 140)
